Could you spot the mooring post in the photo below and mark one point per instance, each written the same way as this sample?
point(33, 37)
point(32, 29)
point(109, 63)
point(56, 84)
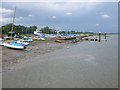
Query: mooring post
point(99, 36)
point(80, 37)
point(105, 35)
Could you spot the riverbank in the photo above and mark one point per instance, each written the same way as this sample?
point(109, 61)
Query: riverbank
point(10, 57)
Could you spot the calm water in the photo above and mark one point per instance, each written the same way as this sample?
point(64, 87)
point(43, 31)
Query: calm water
point(85, 64)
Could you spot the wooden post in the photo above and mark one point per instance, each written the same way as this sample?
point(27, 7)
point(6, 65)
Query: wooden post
point(99, 36)
point(80, 37)
point(105, 35)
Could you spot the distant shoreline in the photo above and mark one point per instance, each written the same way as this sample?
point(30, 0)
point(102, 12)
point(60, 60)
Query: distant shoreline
point(113, 34)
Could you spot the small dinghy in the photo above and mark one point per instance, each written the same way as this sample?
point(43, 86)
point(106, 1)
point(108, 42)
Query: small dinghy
point(43, 39)
point(27, 40)
point(20, 42)
point(58, 41)
point(14, 45)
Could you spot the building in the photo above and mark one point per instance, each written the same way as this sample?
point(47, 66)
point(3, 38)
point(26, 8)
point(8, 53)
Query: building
point(38, 31)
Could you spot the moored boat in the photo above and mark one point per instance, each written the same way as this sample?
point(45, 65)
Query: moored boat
point(27, 40)
point(14, 45)
point(42, 39)
point(20, 42)
point(37, 38)
point(58, 41)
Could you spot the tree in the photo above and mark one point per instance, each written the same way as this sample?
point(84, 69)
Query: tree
point(72, 32)
point(62, 32)
point(20, 29)
point(31, 29)
point(17, 28)
point(6, 28)
point(46, 30)
point(0, 30)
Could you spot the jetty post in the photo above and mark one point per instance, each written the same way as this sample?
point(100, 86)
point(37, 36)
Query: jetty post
point(99, 36)
point(105, 35)
point(80, 37)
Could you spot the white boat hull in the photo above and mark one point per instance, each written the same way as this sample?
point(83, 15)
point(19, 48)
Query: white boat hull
point(14, 46)
point(24, 43)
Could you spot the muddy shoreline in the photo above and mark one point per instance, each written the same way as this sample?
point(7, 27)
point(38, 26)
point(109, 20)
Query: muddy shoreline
point(10, 57)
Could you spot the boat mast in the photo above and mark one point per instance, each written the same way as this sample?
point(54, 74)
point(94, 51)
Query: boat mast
point(13, 22)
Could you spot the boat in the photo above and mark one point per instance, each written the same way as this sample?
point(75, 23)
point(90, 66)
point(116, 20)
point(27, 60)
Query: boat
point(38, 38)
point(43, 39)
point(24, 43)
point(14, 45)
point(27, 40)
point(21, 42)
point(58, 41)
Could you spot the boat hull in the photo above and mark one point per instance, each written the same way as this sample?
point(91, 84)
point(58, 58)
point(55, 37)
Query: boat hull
point(58, 41)
point(14, 47)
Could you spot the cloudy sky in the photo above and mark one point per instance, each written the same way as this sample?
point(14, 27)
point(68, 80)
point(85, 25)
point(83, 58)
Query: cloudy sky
point(78, 16)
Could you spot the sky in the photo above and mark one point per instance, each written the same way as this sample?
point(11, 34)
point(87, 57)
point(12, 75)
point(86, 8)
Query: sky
point(77, 16)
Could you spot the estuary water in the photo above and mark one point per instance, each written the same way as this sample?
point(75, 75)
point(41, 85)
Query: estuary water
point(86, 64)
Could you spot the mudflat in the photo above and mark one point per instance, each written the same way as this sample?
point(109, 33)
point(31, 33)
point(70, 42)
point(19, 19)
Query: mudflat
point(10, 57)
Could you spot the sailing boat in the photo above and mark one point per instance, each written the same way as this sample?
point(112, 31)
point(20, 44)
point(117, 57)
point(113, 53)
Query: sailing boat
point(14, 45)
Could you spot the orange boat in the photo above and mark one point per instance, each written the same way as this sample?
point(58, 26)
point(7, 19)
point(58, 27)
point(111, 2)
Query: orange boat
point(58, 41)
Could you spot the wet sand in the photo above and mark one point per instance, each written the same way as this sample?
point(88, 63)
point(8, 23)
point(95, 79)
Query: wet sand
point(10, 57)
point(83, 65)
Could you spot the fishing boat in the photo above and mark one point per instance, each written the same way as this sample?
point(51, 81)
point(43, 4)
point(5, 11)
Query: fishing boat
point(14, 45)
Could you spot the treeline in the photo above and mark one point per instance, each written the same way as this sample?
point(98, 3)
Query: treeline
point(17, 28)
point(30, 30)
point(47, 30)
